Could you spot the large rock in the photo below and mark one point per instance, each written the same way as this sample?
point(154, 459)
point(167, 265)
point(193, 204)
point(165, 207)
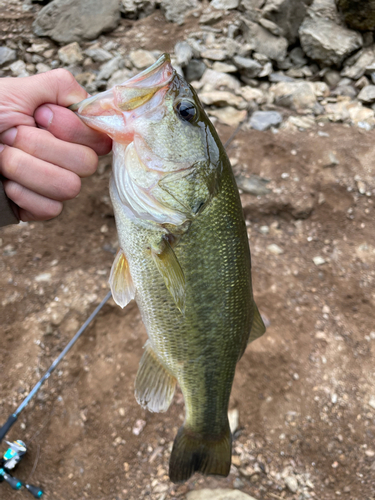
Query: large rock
point(264, 42)
point(299, 96)
point(263, 120)
point(356, 66)
point(358, 14)
point(326, 42)
point(68, 21)
point(218, 494)
point(287, 14)
point(175, 11)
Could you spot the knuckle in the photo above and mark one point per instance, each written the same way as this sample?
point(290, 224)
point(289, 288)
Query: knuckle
point(90, 161)
point(11, 163)
point(63, 75)
point(53, 209)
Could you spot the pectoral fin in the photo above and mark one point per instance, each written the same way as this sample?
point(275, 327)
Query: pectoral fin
point(170, 269)
point(120, 280)
point(154, 385)
point(257, 328)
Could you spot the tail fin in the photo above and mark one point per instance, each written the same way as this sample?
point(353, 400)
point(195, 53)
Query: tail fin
point(193, 452)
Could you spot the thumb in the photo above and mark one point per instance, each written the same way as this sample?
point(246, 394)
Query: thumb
point(55, 87)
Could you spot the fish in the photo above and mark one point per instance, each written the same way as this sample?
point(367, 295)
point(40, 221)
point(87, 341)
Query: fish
point(183, 255)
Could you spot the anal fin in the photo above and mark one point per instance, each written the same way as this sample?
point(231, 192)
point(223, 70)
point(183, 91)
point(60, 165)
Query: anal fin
point(120, 280)
point(154, 385)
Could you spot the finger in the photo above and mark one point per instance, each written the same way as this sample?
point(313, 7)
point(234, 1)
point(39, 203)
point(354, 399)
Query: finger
point(38, 175)
point(65, 125)
point(43, 145)
point(56, 87)
point(32, 206)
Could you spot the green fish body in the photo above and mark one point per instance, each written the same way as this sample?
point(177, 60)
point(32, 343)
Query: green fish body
point(184, 256)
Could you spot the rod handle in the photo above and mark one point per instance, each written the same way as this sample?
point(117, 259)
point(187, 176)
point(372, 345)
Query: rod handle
point(34, 490)
point(8, 424)
point(12, 481)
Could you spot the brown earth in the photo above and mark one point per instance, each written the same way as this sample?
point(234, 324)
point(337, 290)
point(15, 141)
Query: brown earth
point(305, 391)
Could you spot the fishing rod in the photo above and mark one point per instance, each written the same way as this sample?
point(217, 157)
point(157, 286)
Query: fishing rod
point(17, 449)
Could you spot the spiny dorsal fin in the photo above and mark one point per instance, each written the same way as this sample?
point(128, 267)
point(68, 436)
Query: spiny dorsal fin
point(120, 280)
point(170, 269)
point(154, 385)
point(257, 328)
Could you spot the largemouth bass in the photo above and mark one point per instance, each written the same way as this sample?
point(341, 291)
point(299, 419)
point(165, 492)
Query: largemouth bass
point(184, 256)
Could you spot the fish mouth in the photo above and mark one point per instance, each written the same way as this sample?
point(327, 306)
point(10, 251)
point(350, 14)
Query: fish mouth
point(129, 95)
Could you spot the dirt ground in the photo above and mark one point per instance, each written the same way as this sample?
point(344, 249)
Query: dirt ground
point(305, 391)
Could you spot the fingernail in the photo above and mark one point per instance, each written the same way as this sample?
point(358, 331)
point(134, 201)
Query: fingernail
point(1, 147)
point(43, 116)
point(9, 136)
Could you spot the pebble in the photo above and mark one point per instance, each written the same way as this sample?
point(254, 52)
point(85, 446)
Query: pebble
point(98, 54)
point(291, 483)
point(141, 59)
point(254, 184)
point(263, 120)
point(7, 55)
point(70, 54)
point(214, 54)
point(108, 68)
point(318, 260)
point(225, 4)
point(44, 277)
point(183, 52)
point(275, 249)
point(224, 67)
point(138, 427)
point(367, 94)
point(222, 98)
point(18, 67)
point(372, 402)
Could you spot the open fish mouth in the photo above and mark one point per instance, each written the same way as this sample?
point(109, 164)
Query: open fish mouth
point(130, 94)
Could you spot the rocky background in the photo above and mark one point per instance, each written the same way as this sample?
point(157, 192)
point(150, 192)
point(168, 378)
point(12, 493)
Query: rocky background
point(292, 82)
point(268, 63)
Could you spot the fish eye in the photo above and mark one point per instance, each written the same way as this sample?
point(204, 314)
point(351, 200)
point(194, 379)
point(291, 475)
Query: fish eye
point(186, 110)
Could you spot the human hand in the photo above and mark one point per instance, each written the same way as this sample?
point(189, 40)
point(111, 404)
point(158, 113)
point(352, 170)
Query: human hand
point(42, 166)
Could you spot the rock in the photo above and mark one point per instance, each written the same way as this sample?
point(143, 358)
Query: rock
point(137, 8)
point(280, 77)
point(85, 79)
point(120, 76)
point(332, 78)
point(270, 26)
point(372, 402)
point(98, 54)
point(296, 95)
point(359, 63)
point(138, 427)
point(301, 122)
point(326, 42)
point(214, 80)
point(358, 14)
point(229, 115)
point(252, 94)
point(224, 67)
point(176, 11)
point(215, 54)
point(291, 483)
point(263, 120)
point(287, 14)
point(7, 55)
point(68, 20)
point(263, 41)
point(275, 249)
point(337, 112)
point(141, 59)
point(318, 260)
point(251, 67)
point(183, 52)
point(362, 116)
point(367, 94)
point(107, 69)
point(222, 98)
point(70, 54)
point(218, 494)
point(255, 185)
point(194, 70)
point(211, 18)
point(225, 4)
point(42, 68)
point(297, 56)
point(18, 67)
